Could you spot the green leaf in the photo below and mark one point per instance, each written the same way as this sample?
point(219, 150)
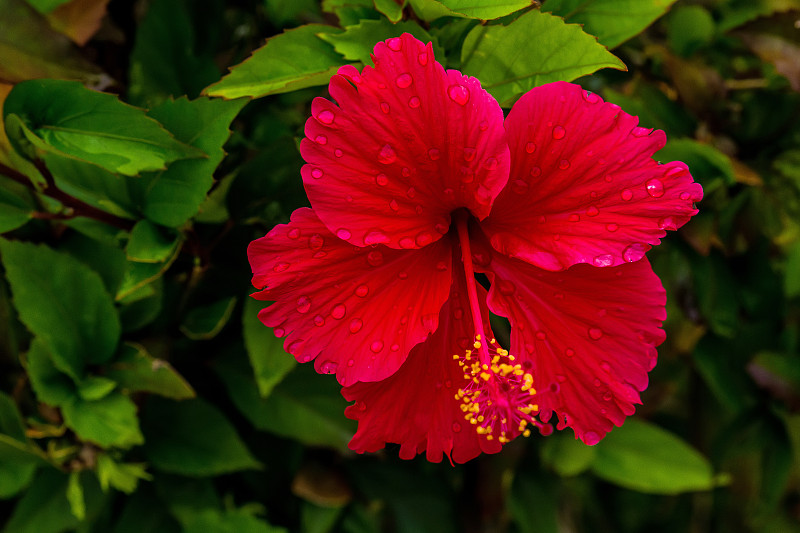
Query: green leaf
point(14, 210)
point(50, 385)
point(89, 126)
point(96, 387)
point(193, 438)
point(105, 258)
point(46, 6)
point(305, 406)
point(533, 503)
point(269, 360)
point(137, 274)
point(268, 72)
point(207, 321)
point(79, 323)
point(142, 306)
point(145, 511)
point(644, 457)
point(136, 370)
point(150, 243)
point(508, 62)
point(357, 42)
point(230, 521)
point(567, 455)
point(165, 60)
point(172, 196)
point(121, 476)
point(738, 12)
point(429, 10)
point(390, 8)
point(485, 9)
point(75, 495)
point(109, 421)
point(16, 470)
point(318, 519)
point(792, 279)
point(689, 28)
point(48, 55)
point(612, 21)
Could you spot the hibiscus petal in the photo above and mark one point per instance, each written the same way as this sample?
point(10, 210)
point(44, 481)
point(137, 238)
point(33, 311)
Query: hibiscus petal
point(357, 311)
point(407, 144)
point(416, 406)
point(591, 191)
point(590, 333)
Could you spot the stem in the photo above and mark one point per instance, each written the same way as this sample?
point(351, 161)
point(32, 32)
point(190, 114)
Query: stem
point(79, 207)
point(472, 292)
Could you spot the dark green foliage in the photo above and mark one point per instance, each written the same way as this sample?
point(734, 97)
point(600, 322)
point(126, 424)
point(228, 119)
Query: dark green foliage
point(140, 393)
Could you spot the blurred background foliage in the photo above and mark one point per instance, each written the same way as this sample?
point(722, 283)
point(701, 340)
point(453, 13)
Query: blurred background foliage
point(139, 392)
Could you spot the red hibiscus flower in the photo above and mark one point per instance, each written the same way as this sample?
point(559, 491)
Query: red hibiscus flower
point(417, 184)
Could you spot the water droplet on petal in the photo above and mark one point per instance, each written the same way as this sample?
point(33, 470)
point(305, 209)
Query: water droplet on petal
point(459, 94)
point(569, 352)
point(279, 332)
point(321, 139)
point(338, 311)
point(530, 148)
point(605, 366)
point(375, 237)
point(423, 239)
point(405, 172)
point(319, 320)
point(667, 223)
point(395, 347)
point(375, 258)
point(402, 275)
point(519, 186)
point(466, 175)
point(456, 427)
point(393, 205)
point(655, 188)
point(536, 172)
point(483, 126)
point(638, 131)
point(414, 102)
point(343, 234)
point(303, 304)
point(561, 378)
point(595, 333)
point(351, 362)
point(608, 396)
point(423, 58)
point(382, 179)
point(406, 243)
point(612, 227)
point(280, 267)
point(355, 325)
point(590, 438)
point(590, 97)
point(395, 44)
point(293, 233)
point(506, 287)
point(574, 217)
point(603, 260)
point(469, 154)
point(404, 81)
point(592, 211)
point(634, 252)
point(559, 132)
point(433, 153)
point(376, 346)
point(441, 266)
point(626, 194)
point(490, 163)
point(361, 406)
point(326, 116)
point(317, 173)
point(482, 258)
point(362, 291)
point(387, 155)
point(684, 195)
point(563, 164)
point(338, 153)
point(385, 108)
point(541, 335)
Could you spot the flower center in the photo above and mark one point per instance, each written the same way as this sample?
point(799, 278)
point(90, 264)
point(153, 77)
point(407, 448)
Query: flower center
point(498, 398)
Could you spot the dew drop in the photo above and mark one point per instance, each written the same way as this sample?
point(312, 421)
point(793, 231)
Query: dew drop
point(667, 223)
point(329, 367)
point(590, 438)
point(395, 44)
point(321, 139)
point(351, 362)
point(385, 108)
point(423, 238)
point(319, 320)
point(338, 311)
point(395, 347)
point(574, 217)
point(595, 333)
point(382, 179)
point(376, 346)
point(355, 325)
point(375, 237)
point(456, 427)
point(393, 205)
point(655, 188)
point(469, 154)
point(612, 227)
point(405, 172)
point(414, 102)
point(343, 234)
point(423, 58)
point(462, 342)
point(361, 406)
point(375, 258)
point(404, 81)
point(280, 267)
point(684, 195)
point(541, 335)
point(362, 291)
point(338, 153)
point(433, 153)
point(590, 97)
point(319, 255)
point(608, 396)
point(326, 116)
point(530, 148)
point(441, 266)
point(316, 241)
point(506, 287)
point(563, 164)
point(293, 234)
point(634, 252)
point(570, 352)
point(387, 155)
point(561, 378)
point(559, 132)
point(406, 243)
point(402, 275)
point(641, 132)
point(467, 175)
point(459, 94)
point(411, 192)
point(483, 126)
point(481, 258)
point(317, 173)
point(592, 211)
point(519, 186)
point(626, 194)
point(603, 260)
point(303, 304)
point(605, 366)
point(490, 164)
point(279, 332)
point(458, 314)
